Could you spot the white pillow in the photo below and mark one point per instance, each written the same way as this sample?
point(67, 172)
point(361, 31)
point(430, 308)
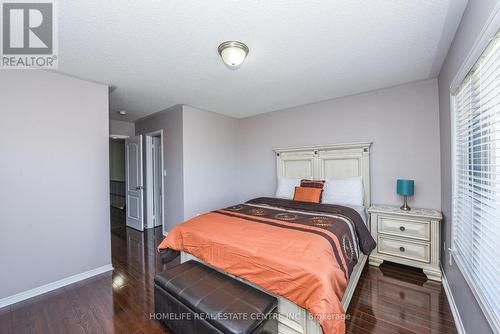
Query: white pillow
point(345, 191)
point(286, 187)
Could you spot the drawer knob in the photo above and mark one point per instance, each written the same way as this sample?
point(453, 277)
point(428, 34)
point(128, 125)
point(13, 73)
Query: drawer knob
point(402, 228)
point(402, 249)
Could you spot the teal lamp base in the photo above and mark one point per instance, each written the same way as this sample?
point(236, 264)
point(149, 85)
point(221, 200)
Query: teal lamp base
point(405, 206)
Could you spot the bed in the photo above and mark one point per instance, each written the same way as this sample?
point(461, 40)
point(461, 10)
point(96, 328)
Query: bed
point(316, 162)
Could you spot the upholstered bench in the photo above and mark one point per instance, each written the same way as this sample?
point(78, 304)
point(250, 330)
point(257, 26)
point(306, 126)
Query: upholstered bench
point(193, 298)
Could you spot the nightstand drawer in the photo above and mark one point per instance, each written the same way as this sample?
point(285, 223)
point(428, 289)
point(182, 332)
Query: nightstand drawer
point(409, 228)
point(404, 249)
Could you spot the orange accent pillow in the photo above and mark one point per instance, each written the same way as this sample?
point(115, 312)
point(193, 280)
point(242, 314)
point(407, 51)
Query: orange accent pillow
point(307, 194)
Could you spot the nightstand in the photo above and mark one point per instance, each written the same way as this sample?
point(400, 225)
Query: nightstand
point(406, 237)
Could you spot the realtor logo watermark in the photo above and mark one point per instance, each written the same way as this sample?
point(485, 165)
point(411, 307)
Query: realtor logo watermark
point(29, 35)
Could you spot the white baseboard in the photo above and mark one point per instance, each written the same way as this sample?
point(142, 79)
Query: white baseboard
point(53, 286)
point(453, 306)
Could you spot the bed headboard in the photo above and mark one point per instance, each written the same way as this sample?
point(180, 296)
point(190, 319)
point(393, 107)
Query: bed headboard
point(336, 161)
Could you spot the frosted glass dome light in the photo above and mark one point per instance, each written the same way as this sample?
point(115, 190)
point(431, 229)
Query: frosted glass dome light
point(233, 53)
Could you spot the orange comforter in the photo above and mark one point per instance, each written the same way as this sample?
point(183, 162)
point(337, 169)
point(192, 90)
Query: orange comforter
point(282, 251)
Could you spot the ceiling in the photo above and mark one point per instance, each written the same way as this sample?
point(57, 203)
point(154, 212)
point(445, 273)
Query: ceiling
point(155, 54)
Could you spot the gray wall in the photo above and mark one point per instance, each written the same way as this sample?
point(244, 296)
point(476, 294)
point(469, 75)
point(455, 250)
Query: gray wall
point(54, 201)
point(170, 121)
point(473, 20)
point(199, 156)
point(402, 122)
point(210, 161)
point(121, 128)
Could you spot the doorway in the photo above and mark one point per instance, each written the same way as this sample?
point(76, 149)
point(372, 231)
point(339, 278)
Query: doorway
point(154, 179)
point(144, 184)
point(117, 182)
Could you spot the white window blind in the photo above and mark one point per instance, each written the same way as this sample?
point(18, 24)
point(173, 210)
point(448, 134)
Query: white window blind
point(476, 193)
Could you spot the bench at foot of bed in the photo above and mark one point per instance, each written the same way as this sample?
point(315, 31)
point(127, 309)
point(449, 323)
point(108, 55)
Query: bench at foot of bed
point(193, 298)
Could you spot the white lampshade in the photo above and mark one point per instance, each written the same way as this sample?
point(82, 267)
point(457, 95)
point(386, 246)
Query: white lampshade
point(233, 53)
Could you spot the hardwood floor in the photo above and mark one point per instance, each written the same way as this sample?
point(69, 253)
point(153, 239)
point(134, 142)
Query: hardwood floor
point(392, 299)
point(398, 299)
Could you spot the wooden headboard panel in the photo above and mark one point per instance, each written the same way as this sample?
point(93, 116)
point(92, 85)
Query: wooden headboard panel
point(336, 161)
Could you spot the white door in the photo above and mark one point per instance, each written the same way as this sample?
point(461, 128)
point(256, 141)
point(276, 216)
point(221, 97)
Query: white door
point(133, 180)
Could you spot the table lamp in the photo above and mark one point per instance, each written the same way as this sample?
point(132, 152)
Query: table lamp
point(405, 188)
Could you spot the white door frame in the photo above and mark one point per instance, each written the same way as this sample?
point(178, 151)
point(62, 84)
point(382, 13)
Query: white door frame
point(149, 179)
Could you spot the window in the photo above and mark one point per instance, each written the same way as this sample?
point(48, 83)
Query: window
point(476, 180)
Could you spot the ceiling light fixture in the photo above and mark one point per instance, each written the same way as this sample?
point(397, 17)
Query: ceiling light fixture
point(233, 53)
point(122, 112)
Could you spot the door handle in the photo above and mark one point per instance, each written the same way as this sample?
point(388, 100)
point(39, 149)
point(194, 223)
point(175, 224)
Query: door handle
point(139, 188)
